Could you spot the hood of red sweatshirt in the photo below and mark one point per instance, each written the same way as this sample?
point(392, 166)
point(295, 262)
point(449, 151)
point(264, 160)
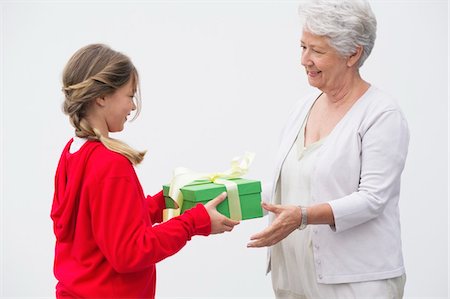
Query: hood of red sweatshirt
point(68, 180)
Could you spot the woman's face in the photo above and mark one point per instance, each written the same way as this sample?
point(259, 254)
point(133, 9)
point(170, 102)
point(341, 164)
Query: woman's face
point(119, 106)
point(324, 66)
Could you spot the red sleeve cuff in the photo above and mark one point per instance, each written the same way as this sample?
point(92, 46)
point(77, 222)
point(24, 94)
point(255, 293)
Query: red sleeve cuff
point(159, 197)
point(201, 220)
point(156, 205)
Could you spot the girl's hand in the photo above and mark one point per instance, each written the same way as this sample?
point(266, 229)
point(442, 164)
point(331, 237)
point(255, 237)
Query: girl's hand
point(219, 223)
point(287, 219)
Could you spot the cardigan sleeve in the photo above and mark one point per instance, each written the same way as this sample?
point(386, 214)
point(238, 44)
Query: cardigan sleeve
point(384, 147)
point(121, 226)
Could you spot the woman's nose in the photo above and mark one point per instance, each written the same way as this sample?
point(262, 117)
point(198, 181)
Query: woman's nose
point(305, 59)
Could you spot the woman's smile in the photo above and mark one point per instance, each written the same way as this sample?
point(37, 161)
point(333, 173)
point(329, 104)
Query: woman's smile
point(313, 74)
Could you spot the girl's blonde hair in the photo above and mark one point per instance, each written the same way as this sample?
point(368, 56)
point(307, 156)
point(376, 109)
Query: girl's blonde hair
point(92, 72)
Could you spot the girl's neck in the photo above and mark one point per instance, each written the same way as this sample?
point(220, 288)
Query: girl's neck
point(99, 125)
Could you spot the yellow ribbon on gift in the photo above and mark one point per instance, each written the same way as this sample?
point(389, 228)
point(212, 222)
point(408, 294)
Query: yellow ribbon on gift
point(183, 176)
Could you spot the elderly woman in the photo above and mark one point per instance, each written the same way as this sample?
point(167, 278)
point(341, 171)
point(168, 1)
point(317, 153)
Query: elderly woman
point(335, 225)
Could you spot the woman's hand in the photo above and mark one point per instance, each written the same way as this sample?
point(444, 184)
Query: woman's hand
point(287, 219)
point(219, 223)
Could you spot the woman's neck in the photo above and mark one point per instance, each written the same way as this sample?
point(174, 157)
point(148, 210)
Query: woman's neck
point(347, 93)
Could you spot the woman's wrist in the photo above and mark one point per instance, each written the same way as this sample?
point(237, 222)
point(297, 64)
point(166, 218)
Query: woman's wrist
point(319, 214)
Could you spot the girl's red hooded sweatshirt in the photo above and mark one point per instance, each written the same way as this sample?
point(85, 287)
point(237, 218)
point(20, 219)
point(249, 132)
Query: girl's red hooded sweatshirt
point(106, 242)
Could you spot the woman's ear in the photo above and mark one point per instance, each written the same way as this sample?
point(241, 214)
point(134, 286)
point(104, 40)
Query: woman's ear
point(354, 58)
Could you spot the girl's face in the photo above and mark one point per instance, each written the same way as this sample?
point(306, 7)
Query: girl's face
point(324, 66)
point(118, 107)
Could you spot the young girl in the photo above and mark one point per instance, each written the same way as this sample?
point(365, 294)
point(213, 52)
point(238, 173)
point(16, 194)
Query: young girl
point(106, 242)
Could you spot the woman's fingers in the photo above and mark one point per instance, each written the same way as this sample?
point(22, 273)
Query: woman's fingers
point(271, 208)
point(287, 218)
point(262, 234)
point(266, 237)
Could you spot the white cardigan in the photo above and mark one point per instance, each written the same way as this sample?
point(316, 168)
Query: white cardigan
point(357, 172)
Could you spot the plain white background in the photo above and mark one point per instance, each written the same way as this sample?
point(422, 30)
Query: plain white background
point(218, 79)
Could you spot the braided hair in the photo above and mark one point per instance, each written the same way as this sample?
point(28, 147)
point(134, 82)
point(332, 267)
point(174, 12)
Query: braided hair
point(92, 72)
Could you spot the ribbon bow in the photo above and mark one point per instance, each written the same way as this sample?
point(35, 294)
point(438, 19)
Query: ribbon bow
point(183, 176)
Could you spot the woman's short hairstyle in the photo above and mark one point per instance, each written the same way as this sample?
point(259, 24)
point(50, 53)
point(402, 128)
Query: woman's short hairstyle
point(347, 23)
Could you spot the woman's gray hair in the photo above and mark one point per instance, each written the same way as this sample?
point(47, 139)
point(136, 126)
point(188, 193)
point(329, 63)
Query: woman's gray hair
point(347, 23)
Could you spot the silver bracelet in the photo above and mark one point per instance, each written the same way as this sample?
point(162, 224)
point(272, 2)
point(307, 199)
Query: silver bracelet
point(304, 222)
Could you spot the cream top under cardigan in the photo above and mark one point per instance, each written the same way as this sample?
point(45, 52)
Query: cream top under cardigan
point(358, 170)
point(292, 258)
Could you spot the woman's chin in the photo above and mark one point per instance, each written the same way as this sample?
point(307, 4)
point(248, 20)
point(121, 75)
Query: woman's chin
point(313, 83)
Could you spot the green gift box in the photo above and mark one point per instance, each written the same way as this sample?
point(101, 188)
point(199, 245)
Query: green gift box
point(203, 191)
